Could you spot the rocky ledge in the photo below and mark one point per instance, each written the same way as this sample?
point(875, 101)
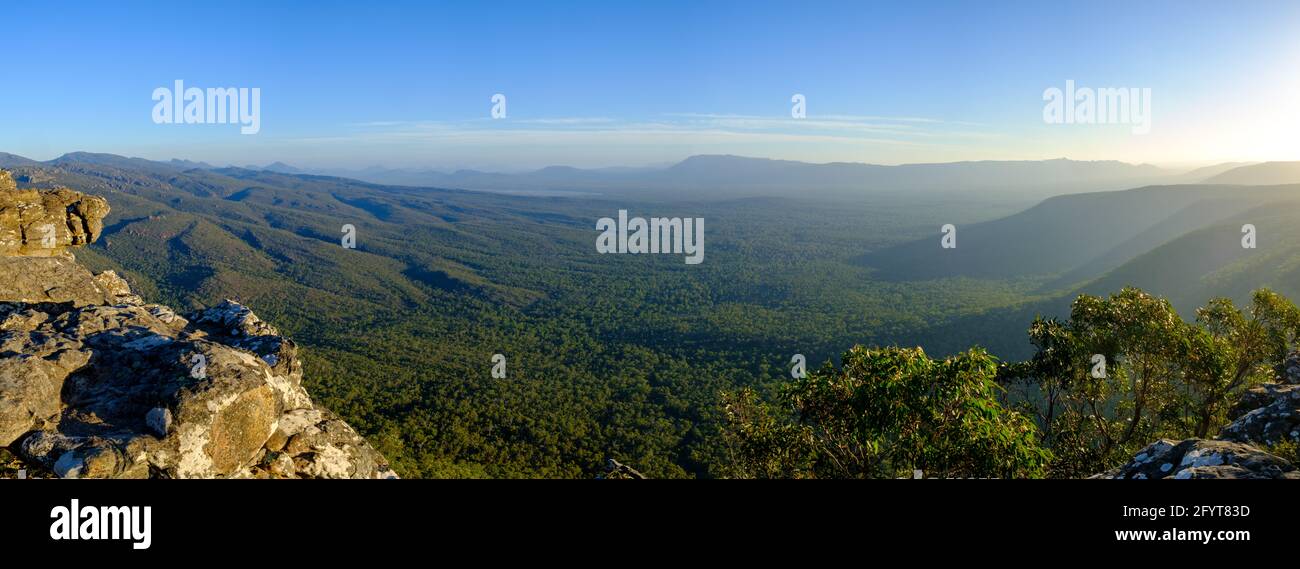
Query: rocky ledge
point(95, 383)
point(1266, 415)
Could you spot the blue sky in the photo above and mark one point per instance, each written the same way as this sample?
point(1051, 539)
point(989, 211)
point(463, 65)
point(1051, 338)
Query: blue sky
point(631, 83)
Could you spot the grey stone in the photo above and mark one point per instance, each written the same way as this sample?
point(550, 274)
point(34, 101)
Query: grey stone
point(1203, 458)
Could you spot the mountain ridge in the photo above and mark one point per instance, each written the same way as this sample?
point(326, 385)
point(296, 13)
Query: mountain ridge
point(722, 176)
point(1262, 174)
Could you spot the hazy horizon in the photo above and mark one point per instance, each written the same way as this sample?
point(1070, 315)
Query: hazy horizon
point(1172, 167)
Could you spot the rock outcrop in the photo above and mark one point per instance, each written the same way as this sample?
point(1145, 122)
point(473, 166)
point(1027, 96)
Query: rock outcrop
point(45, 223)
point(1265, 416)
point(95, 383)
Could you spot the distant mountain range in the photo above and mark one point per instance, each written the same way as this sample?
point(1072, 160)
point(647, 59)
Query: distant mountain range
point(726, 176)
point(722, 177)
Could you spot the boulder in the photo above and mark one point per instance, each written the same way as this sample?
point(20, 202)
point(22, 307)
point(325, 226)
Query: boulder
point(1202, 458)
point(46, 222)
point(1275, 419)
point(1289, 372)
point(132, 390)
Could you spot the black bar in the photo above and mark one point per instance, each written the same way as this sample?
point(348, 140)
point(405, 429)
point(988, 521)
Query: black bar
point(565, 519)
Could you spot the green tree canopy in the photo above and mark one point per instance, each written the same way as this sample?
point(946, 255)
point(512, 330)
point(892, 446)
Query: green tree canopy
point(1160, 376)
point(884, 413)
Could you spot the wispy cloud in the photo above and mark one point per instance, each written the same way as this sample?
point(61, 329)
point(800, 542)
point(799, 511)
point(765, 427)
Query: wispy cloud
point(679, 128)
point(595, 141)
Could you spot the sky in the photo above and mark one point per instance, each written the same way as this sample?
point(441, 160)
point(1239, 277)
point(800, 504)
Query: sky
point(632, 83)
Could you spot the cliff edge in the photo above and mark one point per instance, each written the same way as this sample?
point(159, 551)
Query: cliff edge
point(95, 383)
